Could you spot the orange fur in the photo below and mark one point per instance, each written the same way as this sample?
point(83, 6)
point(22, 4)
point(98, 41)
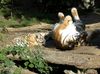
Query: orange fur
point(62, 26)
point(31, 38)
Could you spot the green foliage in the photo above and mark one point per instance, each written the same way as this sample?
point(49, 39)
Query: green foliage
point(2, 36)
point(5, 6)
point(14, 49)
point(5, 64)
point(7, 23)
point(5, 1)
point(23, 22)
point(17, 71)
point(36, 61)
point(33, 59)
point(38, 9)
point(12, 8)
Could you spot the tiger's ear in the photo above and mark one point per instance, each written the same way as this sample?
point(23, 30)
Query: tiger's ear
point(74, 13)
point(61, 15)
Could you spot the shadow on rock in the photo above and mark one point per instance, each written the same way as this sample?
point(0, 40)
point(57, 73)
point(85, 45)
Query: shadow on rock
point(94, 38)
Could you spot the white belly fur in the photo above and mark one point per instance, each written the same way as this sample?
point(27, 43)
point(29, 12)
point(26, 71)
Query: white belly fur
point(69, 34)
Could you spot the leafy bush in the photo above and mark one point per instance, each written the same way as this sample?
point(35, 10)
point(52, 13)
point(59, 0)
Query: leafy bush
point(5, 64)
point(32, 59)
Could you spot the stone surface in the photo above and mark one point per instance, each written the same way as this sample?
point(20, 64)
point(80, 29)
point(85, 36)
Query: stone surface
point(27, 72)
point(82, 60)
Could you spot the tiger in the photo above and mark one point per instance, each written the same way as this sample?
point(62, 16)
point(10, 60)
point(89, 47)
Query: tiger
point(69, 33)
point(65, 35)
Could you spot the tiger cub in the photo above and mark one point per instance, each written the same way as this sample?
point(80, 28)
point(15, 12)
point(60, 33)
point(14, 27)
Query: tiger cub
point(65, 35)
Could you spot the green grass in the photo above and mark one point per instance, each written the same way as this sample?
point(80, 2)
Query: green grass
point(17, 22)
point(23, 18)
point(23, 21)
point(6, 23)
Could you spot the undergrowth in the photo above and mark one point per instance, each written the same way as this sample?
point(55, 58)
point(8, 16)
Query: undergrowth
point(33, 59)
point(2, 36)
point(17, 22)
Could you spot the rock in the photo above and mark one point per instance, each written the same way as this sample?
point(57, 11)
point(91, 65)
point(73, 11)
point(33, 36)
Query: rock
point(15, 70)
point(79, 60)
point(91, 71)
point(27, 72)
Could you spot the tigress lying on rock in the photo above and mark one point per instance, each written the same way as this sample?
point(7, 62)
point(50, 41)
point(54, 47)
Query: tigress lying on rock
point(66, 33)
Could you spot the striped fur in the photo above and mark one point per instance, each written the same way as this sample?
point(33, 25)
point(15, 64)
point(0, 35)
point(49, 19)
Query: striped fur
point(65, 33)
point(68, 33)
point(80, 27)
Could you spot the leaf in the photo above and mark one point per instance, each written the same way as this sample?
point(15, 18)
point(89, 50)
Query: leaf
point(31, 65)
point(9, 63)
point(26, 63)
point(2, 56)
